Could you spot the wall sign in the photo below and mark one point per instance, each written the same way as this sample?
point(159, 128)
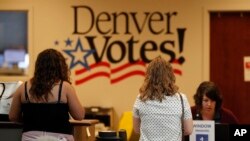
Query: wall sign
point(203, 131)
point(246, 65)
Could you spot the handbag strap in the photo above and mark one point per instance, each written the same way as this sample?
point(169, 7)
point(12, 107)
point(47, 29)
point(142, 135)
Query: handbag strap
point(182, 116)
point(182, 106)
point(3, 90)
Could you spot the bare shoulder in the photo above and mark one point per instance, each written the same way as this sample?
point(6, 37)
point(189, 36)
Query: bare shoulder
point(20, 89)
point(21, 86)
point(68, 87)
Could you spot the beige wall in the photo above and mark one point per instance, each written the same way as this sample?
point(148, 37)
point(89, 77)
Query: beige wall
point(51, 20)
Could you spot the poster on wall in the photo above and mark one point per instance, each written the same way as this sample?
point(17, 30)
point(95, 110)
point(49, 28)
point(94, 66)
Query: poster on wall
point(246, 65)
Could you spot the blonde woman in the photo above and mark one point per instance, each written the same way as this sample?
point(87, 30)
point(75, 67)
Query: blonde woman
point(157, 110)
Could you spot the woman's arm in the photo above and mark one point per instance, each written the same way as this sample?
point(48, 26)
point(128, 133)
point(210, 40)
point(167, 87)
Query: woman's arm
point(136, 124)
point(76, 110)
point(15, 108)
point(188, 126)
point(188, 118)
point(227, 116)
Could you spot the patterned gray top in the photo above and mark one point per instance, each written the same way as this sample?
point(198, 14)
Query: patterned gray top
point(161, 121)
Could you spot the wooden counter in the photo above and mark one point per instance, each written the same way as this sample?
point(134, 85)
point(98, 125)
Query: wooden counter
point(83, 130)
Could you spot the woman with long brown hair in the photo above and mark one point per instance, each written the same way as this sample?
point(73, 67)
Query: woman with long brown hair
point(45, 102)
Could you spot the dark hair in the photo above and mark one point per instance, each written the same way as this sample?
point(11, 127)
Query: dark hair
point(159, 80)
point(50, 68)
point(211, 90)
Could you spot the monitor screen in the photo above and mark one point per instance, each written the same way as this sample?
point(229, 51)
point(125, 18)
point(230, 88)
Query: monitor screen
point(14, 55)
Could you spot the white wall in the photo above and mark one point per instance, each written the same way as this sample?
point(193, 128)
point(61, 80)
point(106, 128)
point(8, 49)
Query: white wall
point(51, 20)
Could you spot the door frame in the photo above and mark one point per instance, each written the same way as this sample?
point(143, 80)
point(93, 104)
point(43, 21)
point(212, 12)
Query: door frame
point(206, 32)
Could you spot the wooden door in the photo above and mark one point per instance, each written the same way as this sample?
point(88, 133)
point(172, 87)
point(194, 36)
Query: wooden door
point(229, 44)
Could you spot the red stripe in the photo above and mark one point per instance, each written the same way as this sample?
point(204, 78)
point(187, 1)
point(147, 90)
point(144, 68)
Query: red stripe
point(126, 66)
point(177, 71)
point(115, 70)
point(98, 74)
point(176, 62)
point(127, 75)
point(105, 64)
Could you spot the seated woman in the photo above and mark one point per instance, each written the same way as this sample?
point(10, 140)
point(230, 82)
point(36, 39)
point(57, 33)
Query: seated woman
point(208, 105)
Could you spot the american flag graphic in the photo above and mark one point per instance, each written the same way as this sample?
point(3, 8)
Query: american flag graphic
point(115, 73)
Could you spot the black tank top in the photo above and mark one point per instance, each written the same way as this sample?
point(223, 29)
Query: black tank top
point(49, 117)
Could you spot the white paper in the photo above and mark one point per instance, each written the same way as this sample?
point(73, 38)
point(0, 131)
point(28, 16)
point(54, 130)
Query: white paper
point(246, 66)
point(203, 130)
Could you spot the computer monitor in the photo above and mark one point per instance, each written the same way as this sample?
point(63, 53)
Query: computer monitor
point(221, 132)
